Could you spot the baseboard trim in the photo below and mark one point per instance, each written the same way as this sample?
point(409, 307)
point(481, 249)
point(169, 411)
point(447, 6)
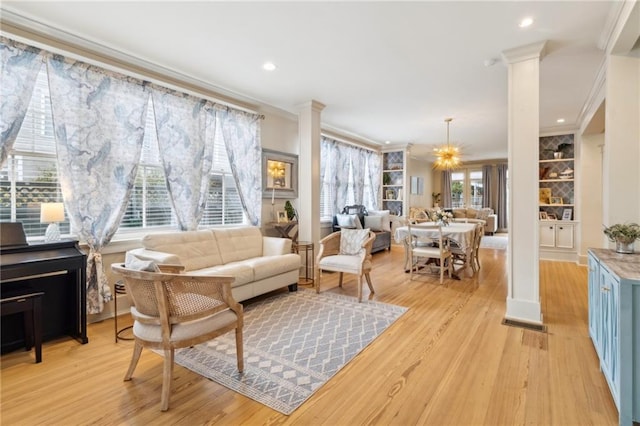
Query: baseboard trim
point(527, 325)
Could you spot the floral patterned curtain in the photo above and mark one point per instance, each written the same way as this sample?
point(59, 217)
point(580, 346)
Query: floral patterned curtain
point(374, 163)
point(99, 119)
point(358, 162)
point(19, 70)
point(241, 132)
point(186, 130)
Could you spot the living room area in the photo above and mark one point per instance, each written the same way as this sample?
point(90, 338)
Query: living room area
point(451, 295)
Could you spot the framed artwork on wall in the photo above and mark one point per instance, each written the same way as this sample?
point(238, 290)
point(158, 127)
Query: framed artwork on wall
point(279, 174)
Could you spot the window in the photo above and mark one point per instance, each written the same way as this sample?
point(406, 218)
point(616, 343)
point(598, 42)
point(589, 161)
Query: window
point(466, 188)
point(30, 177)
point(476, 191)
point(457, 189)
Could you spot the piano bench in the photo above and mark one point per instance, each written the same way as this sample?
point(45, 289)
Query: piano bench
point(30, 304)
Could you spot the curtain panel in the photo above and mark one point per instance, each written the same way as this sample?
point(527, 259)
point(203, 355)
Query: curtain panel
point(503, 221)
point(99, 119)
point(487, 198)
point(446, 189)
point(186, 129)
point(375, 173)
point(20, 66)
point(241, 132)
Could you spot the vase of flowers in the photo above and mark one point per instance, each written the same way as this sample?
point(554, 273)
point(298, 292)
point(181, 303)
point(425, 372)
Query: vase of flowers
point(441, 217)
point(624, 235)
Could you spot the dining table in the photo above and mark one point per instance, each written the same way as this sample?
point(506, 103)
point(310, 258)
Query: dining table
point(461, 233)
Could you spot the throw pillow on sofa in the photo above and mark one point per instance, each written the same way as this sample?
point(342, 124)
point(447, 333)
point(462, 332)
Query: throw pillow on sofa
point(386, 218)
point(348, 221)
point(373, 222)
point(351, 240)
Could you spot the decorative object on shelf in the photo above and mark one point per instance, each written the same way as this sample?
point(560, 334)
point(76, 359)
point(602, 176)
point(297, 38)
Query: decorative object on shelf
point(441, 217)
point(291, 212)
point(543, 216)
point(566, 214)
point(553, 175)
point(386, 179)
point(551, 216)
point(52, 213)
point(543, 195)
point(447, 156)
point(390, 194)
point(567, 174)
point(624, 235)
point(560, 150)
point(542, 172)
point(555, 200)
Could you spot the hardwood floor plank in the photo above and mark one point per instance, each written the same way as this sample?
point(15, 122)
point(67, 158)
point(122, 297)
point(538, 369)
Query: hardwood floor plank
point(447, 361)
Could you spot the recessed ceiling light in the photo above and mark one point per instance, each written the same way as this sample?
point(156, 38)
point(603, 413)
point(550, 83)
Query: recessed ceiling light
point(526, 22)
point(560, 120)
point(387, 142)
point(269, 66)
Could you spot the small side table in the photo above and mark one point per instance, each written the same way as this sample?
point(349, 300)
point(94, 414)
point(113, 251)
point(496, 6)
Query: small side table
point(306, 252)
point(119, 288)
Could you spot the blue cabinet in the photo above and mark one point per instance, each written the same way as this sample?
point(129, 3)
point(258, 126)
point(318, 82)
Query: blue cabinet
point(614, 326)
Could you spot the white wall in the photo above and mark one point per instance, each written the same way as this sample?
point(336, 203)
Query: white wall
point(591, 194)
point(421, 169)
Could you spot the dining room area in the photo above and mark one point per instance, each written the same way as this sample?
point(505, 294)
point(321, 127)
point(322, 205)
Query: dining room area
point(441, 245)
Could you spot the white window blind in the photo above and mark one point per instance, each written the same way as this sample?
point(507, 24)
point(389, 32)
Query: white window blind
point(30, 177)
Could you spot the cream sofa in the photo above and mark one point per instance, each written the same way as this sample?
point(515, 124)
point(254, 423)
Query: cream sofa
point(259, 264)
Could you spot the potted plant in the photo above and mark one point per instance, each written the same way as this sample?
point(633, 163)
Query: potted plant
point(291, 212)
point(559, 152)
point(624, 235)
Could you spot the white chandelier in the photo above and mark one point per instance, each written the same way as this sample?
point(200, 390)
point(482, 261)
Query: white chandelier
point(447, 156)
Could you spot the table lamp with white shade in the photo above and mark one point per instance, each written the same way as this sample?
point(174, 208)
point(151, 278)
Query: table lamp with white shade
point(52, 213)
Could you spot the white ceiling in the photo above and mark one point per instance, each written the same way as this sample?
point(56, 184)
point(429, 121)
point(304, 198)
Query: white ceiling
point(385, 70)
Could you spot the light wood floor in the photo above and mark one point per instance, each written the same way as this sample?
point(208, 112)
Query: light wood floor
point(447, 361)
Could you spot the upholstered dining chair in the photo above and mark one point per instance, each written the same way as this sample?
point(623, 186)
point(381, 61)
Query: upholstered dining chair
point(348, 250)
point(436, 246)
point(173, 311)
point(469, 258)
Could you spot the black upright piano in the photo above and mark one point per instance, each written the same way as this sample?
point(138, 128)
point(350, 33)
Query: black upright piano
point(57, 269)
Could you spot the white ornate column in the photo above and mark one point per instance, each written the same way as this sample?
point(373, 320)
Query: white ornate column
point(523, 298)
point(309, 171)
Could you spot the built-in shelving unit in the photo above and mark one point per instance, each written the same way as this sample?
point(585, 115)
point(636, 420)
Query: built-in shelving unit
point(393, 181)
point(557, 196)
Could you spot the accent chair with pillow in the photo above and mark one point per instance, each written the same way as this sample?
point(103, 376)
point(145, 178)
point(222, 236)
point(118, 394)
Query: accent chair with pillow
point(348, 250)
point(357, 217)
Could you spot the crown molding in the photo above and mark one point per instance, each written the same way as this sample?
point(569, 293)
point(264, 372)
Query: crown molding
point(595, 97)
point(618, 36)
point(524, 53)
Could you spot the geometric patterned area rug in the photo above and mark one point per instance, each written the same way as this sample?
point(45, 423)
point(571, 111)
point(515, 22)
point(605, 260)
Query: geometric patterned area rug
point(497, 241)
point(293, 343)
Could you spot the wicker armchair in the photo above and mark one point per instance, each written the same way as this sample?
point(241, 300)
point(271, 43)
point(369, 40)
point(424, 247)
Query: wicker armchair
point(330, 259)
point(174, 311)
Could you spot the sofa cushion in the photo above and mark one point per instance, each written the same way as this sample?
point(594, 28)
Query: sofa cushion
point(269, 266)
point(238, 243)
point(472, 213)
point(386, 218)
point(459, 212)
point(348, 221)
point(241, 271)
point(195, 249)
point(373, 222)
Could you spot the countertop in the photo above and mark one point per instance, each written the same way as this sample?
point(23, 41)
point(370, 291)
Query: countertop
point(625, 266)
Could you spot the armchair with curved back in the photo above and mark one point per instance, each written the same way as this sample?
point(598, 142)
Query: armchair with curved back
point(329, 258)
point(173, 311)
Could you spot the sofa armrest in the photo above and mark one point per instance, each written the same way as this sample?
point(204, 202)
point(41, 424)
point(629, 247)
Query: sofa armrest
point(492, 224)
point(157, 256)
point(274, 246)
